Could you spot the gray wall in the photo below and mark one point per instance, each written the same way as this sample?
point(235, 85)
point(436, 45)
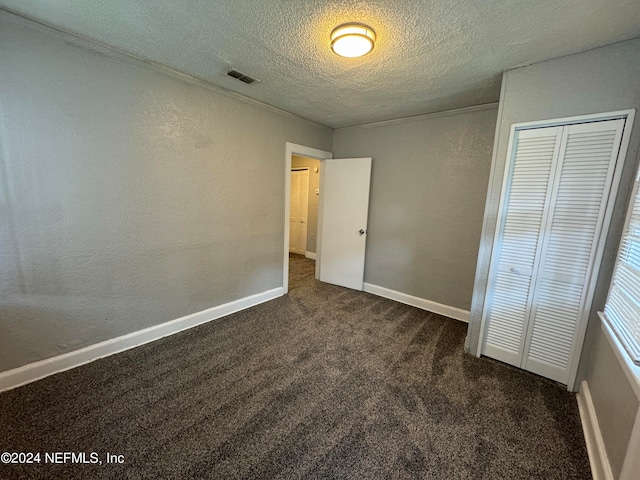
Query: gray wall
point(128, 196)
point(614, 399)
point(428, 186)
point(314, 183)
point(600, 80)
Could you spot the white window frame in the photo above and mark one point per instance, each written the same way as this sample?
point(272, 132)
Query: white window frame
point(622, 308)
point(615, 331)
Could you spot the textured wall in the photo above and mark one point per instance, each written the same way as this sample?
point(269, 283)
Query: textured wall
point(128, 197)
point(613, 397)
point(601, 80)
point(429, 180)
point(314, 182)
point(429, 55)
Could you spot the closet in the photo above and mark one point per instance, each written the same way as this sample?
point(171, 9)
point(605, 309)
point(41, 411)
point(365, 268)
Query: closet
point(558, 191)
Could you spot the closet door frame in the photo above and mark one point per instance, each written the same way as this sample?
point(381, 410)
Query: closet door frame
point(628, 116)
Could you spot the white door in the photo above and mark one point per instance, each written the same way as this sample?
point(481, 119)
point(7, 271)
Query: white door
point(525, 201)
point(299, 211)
point(553, 223)
point(344, 208)
point(573, 232)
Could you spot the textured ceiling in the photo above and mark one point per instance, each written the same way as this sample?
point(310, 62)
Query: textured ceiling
point(429, 55)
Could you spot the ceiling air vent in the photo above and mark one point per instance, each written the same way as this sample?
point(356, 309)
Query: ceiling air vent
point(241, 76)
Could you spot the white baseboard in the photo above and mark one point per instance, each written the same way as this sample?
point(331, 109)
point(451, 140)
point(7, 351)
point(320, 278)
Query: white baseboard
point(37, 370)
point(435, 307)
point(600, 467)
point(310, 255)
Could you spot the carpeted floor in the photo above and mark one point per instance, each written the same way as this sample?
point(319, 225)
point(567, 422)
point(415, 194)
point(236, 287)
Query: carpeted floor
point(322, 383)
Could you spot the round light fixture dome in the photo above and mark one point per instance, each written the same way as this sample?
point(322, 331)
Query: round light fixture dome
point(352, 40)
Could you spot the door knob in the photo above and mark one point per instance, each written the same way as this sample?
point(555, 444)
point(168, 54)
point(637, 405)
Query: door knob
point(362, 232)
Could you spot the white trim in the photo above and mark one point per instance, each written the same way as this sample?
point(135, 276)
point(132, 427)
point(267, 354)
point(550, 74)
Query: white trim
point(631, 464)
point(290, 150)
point(310, 255)
point(430, 306)
point(600, 467)
point(631, 370)
point(37, 370)
point(416, 118)
point(486, 248)
point(557, 122)
point(628, 116)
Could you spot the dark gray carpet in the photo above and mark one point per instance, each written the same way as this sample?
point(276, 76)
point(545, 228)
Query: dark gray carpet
point(323, 383)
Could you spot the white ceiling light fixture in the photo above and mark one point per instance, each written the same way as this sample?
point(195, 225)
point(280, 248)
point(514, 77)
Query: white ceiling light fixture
point(352, 40)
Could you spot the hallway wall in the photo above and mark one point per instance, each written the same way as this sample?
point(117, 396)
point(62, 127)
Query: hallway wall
point(314, 183)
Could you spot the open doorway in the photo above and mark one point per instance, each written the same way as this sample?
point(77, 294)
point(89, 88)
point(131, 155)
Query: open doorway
point(303, 219)
point(305, 192)
point(341, 226)
point(300, 158)
point(299, 210)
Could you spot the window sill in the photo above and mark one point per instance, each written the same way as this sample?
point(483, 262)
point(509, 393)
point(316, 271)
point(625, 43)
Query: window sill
point(631, 370)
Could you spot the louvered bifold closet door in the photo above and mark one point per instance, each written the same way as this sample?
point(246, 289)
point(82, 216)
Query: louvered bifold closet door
point(525, 199)
point(571, 236)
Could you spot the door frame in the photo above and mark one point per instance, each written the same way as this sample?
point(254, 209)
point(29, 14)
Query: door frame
point(302, 151)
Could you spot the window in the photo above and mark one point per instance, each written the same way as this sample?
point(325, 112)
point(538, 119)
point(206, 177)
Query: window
point(622, 309)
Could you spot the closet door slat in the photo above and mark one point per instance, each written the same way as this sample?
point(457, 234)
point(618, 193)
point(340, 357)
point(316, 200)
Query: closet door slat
point(555, 204)
point(571, 236)
point(522, 213)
